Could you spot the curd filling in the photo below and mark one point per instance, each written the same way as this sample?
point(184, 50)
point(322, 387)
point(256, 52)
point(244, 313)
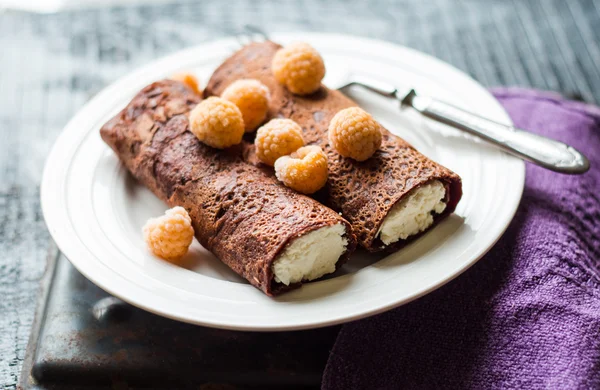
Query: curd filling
point(311, 256)
point(413, 214)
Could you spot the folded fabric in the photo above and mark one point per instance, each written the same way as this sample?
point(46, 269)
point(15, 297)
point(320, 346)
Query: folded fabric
point(525, 316)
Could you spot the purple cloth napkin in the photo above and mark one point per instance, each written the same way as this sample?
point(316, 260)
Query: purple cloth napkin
point(525, 316)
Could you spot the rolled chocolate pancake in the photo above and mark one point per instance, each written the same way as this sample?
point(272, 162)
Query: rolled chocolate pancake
point(265, 232)
point(389, 199)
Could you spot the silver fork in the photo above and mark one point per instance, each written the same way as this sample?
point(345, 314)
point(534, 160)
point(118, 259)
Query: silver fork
point(545, 152)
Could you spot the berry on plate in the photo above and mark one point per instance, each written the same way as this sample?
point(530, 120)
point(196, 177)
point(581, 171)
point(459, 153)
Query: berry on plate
point(169, 236)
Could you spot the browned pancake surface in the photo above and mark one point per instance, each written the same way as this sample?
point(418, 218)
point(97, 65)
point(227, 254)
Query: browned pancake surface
point(240, 213)
point(365, 191)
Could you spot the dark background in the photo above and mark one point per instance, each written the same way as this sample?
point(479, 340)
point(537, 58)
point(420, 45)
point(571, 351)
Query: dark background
point(50, 65)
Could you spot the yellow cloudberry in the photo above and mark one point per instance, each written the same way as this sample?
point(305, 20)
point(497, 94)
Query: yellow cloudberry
point(188, 79)
point(217, 122)
point(304, 171)
point(299, 67)
point(278, 137)
point(252, 98)
point(354, 133)
point(169, 236)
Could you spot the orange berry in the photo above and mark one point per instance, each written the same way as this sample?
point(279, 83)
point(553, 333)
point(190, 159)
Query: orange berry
point(188, 79)
point(304, 171)
point(278, 137)
point(299, 67)
point(169, 236)
point(354, 133)
point(217, 122)
point(252, 98)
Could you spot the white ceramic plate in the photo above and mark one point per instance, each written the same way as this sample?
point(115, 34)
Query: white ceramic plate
point(95, 209)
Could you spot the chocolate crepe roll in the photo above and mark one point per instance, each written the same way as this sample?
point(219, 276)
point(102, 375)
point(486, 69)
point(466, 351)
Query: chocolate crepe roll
point(267, 233)
point(389, 199)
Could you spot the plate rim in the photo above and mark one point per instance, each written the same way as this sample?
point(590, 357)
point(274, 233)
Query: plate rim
point(51, 217)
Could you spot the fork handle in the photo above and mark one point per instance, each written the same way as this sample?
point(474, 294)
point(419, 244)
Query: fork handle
point(548, 153)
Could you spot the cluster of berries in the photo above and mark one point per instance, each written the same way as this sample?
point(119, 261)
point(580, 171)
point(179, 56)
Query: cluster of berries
point(221, 122)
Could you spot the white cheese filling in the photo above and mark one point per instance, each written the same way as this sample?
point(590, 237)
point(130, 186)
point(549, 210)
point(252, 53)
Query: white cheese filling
point(413, 214)
point(311, 256)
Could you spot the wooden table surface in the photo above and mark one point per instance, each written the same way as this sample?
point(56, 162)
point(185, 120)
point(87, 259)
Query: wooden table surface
point(50, 65)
